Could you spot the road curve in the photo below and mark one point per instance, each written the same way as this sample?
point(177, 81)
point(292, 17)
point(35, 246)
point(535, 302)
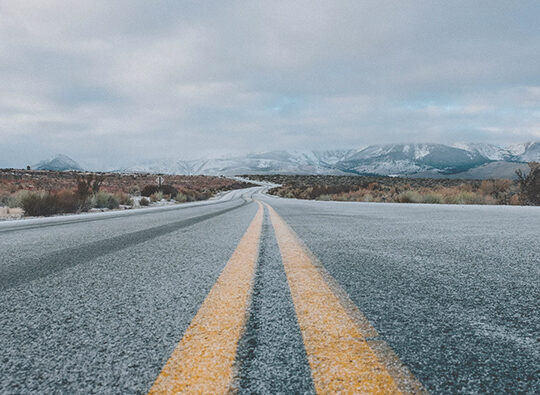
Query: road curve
point(272, 295)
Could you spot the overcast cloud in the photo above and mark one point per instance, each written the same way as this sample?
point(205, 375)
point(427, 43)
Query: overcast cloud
point(112, 82)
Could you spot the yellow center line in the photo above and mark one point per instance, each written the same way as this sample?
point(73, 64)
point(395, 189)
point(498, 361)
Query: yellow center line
point(203, 361)
point(339, 354)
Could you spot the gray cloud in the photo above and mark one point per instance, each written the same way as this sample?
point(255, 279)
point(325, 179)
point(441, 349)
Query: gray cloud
point(112, 82)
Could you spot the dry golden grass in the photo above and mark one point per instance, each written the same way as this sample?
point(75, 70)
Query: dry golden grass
point(48, 192)
point(431, 191)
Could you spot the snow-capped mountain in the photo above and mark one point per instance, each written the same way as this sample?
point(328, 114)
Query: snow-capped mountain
point(410, 159)
point(526, 152)
point(489, 151)
point(279, 162)
point(59, 163)
point(425, 160)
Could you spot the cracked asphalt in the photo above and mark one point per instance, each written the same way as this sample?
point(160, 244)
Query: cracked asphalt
point(98, 306)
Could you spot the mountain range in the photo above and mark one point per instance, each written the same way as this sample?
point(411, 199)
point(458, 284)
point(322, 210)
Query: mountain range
point(417, 160)
point(474, 160)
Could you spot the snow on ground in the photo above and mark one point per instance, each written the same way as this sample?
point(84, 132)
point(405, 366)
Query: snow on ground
point(7, 213)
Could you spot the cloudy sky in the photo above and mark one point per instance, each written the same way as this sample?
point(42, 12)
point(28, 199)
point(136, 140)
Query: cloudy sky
point(113, 82)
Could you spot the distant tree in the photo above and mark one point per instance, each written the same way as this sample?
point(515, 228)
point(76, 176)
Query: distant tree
point(84, 185)
point(90, 183)
point(530, 184)
point(83, 188)
point(28, 167)
point(96, 184)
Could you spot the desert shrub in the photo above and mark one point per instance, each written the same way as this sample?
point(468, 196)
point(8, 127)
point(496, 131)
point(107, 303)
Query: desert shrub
point(358, 195)
point(203, 195)
point(466, 187)
point(494, 187)
point(10, 201)
point(156, 197)
point(372, 186)
point(514, 200)
point(530, 184)
point(451, 198)
point(124, 199)
point(490, 200)
point(96, 183)
point(149, 190)
point(465, 197)
point(100, 200)
point(105, 200)
point(367, 198)
point(66, 201)
point(169, 190)
point(409, 197)
point(191, 195)
point(181, 197)
point(83, 188)
point(48, 203)
point(86, 204)
point(36, 203)
point(486, 187)
point(89, 183)
point(308, 192)
point(113, 202)
point(394, 189)
point(324, 197)
point(433, 198)
point(144, 202)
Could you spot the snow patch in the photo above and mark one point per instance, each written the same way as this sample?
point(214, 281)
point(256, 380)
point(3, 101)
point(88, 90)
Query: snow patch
point(421, 151)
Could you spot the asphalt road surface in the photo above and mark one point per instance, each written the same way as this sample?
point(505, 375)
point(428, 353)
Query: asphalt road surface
point(257, 294)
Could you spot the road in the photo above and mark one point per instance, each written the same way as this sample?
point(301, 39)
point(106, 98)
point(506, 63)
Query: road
point(259, 294)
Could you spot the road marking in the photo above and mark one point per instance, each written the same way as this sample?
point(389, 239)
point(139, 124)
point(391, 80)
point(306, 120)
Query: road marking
point(341, 356)
point(203, 361)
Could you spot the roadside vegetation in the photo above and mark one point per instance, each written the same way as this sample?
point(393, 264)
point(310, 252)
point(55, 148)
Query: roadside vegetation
point(530, 184)
point(523, 191)
point(44, 193)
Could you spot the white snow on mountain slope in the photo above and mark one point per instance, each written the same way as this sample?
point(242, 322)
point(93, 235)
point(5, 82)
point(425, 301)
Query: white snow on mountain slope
point(285, 162)
point(526, 152)
point(406, 159)
point(421, 150)
point(332, 157)
point(518, 149)
point(389, 159)
point(489, 151)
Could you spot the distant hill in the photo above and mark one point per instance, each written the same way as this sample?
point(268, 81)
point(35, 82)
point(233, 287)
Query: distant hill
point(413, 160)
point(399, 159)
point(58, 163)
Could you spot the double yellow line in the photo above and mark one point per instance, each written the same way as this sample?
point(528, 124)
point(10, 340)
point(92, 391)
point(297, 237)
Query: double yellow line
point(343, 353)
